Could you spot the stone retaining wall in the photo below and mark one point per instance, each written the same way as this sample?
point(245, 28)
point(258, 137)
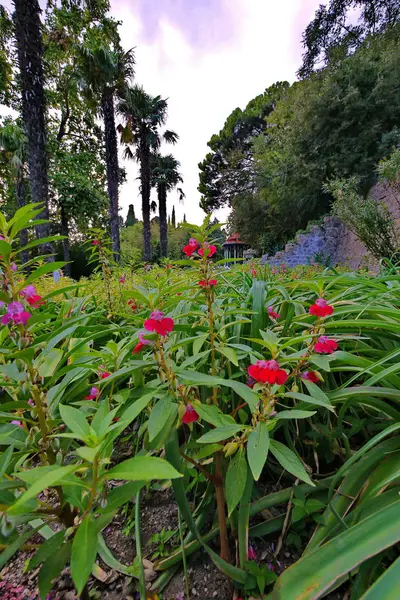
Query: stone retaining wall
point(332, 243)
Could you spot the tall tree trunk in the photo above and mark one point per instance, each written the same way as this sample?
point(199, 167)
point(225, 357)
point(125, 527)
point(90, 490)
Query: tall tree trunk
point(20, 193)
point(145, 176)
point(110, 136)
point(162, 210)
point(30, 51)
point(66, 242)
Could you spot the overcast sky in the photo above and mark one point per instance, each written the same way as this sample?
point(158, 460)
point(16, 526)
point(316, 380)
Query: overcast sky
point(207, 57)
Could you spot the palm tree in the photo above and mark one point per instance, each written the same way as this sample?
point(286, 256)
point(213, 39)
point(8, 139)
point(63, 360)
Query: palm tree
point(165, 177)
point(105, 71)
point(143, 116)
point(13, 146)
point(30, 53)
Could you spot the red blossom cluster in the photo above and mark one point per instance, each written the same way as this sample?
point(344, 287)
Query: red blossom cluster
point(158, 323)
point(321, 308)
point(267, 371)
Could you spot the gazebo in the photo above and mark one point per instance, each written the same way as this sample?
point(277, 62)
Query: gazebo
point(234, 247)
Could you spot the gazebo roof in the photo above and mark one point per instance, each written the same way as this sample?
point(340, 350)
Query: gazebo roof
point(234, 239)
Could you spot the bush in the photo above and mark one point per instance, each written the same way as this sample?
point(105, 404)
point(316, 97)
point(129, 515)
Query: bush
point(371, 221)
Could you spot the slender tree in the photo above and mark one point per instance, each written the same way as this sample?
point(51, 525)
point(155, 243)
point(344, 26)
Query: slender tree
point(30, 52)
point(143, 116)
point(131, 218)
point(106, 70)
point(165, 176)
point(173, 218)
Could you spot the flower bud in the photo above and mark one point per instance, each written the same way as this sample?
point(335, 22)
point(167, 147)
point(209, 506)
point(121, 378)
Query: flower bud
point(230, 448)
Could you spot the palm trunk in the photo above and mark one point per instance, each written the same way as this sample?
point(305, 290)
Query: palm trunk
point(110, 136)
point(20, 193)
point(145, 176)
point(162, 209)
point(66, 242)
point(30, 51)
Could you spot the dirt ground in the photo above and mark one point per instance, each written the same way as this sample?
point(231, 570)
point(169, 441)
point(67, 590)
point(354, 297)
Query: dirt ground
point(158, 512)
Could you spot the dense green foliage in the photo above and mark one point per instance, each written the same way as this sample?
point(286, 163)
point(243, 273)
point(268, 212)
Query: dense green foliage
point(339, 122)
point(243, 378)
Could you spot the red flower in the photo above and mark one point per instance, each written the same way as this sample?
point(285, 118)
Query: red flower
point(267, 371)
point(310, 376)
point(321, 308)
point(190, 415)
point(211, 250)
point(158, 323)
point(95, 242)
point(254, 272)
point(273, 314)
point(94, 391)
point(210, 282)
point(325, 345)
point(122, 279)
point(104, 374)
point(35, 300)
point(132, 305)
point(191, 247)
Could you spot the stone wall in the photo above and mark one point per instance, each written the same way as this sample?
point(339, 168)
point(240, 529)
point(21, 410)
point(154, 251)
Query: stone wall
point(332, 243)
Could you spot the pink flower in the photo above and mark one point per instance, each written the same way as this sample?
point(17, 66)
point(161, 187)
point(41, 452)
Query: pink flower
point(321, 308)
point(95, 242)
point(13, 267)
point(325, 345)
point(28, 292)
point(31, 402)
point(122, 279)
point(17, 423)
point(142, 343)
point(254, 272)
point(158, 323)
point(190, 415)
point(191, 247)
point(35, 300)
point(94, 391)
point(273, 314)
point(207, 250)
point(310, 376)
point(252, 553)
point(16, 313)
point(267, 371)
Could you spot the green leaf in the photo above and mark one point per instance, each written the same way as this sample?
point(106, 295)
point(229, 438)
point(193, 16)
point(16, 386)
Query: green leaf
point(16, 544)
point(47, 363)
point(47, 549)
point(229, 353)
point(387, 586)
point(143, 468)
point(52, 567)
point(49, 479)
point(75, 420)
point(241, 389)
point(160, 415)
point(257, 449)
point(235, 481)
point(5, 459)
point(295, 414)
point(84, 550)
point(198, 343)
point(309, 400)
point(120, 495)
point(49, 267)
point(289, 461)
point(213, 415)
point(88, 454)
point(220, 434)
point(316, 572)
